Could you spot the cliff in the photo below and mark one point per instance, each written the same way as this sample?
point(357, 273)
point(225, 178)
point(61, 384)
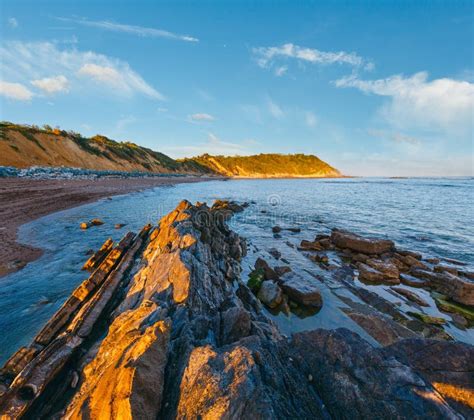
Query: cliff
point(165, 328)
point(25, 146)
point(268, 166)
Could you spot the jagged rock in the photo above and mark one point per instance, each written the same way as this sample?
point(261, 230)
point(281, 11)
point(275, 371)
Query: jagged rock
point(410, 261)
point(94, 261)
point(343, 239)
point(411, 296)
point(301, 290)
point(235, 324)
point(186, 338)
point(125, 379)
point(228, 205)
point(270, 294)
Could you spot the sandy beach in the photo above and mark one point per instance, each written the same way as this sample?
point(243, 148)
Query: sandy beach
point(24, 200)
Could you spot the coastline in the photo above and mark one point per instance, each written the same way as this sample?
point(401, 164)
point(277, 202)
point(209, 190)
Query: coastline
point(24, 200)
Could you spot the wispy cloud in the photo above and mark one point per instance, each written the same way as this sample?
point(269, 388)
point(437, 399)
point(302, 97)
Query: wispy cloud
point(201, 117)
point(12, 23)
point(274, 109)
point(129, 29)
point(52, 85)
point(15, 91)
point(445, 104)
point(86, 72)
point(267, 56)
point(311, 119)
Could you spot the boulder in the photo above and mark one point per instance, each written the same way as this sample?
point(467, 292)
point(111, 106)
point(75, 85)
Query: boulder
point(344, 239)
point(302, 290)
point(274, 253)
point(446, 269)
point(276, 229)
point(373, 275)
point(282, 269)
point(270, 294)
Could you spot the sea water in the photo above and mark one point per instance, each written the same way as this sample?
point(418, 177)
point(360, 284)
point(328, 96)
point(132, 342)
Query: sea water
point(431, 216)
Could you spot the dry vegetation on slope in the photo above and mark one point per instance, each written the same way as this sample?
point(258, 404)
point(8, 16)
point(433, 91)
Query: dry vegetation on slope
point(24, 146)
point(268, 166)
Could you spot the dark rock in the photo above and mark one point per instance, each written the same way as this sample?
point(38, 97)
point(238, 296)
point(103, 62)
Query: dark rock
point(294, 229)
point(275, 253)
point(276, 229)
point(270, 294)
point(268, 272)
point(343, 239)
point(345, 368)
point(301, 290)
point(282, 269)
point(443, 365)
point(235, 324)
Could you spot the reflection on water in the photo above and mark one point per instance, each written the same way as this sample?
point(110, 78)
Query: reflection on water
point(433, 216)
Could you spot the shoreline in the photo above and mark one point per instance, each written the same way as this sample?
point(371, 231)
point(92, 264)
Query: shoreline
point(24, 200)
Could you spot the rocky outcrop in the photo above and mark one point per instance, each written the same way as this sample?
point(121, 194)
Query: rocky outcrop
point(177, 334)
point(349, 240)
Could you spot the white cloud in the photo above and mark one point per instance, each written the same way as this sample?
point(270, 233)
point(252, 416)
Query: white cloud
point(15, 91)
point(130, 29)
point(415, 102)
point(51, 85)
point(12, 22)
point(201, 117)
point(280, 71)
point(25, 61)
point(275, 109)
point(311, 119)
point(266, 56)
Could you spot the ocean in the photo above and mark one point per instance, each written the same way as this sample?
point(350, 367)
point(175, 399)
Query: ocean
point(434, 216)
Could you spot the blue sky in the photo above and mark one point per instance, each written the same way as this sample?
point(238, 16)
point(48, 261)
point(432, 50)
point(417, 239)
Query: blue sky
point(373, 87)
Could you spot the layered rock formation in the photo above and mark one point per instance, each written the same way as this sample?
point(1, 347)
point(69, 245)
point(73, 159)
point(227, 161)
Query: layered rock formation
point(178, 334)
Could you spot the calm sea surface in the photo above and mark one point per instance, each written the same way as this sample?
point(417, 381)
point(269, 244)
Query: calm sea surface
point(432, 216)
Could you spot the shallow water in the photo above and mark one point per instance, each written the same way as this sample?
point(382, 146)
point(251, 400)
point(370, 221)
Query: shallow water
point(432, 216)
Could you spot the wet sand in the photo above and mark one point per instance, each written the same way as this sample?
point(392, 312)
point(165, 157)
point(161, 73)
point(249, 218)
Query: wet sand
point(24, 200)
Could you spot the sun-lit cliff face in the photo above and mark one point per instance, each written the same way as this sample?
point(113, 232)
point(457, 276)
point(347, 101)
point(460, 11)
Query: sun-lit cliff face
point(24, 146)
point(268, 166)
